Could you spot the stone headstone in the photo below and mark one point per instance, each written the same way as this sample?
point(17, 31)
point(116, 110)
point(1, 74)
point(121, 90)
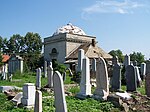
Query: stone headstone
point(131, 78)
point(60, 101)
point(38, 101)
point(17, 98)
point(147, 67)
point(80, 59)
point(138, 78)
point(38, 78)
point(93, 70)
point(94, 65)
point(147, 84)
point(126, 60)
point(143, 70)
point(116, 78)
point(50, 76)
point(102, 84)
point(45, 68)
point(85, 86)
point(28, 98)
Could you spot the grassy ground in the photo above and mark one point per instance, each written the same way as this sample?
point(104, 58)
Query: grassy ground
point(73, 104)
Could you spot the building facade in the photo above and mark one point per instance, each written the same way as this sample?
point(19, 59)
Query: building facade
point(65, 41)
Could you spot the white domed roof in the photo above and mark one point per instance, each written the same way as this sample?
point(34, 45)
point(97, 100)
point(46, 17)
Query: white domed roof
point(69, 28)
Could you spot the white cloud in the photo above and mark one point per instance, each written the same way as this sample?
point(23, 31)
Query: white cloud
point(114, 6)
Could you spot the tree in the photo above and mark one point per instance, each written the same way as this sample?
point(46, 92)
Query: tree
point(137, 56)
point(117, 53)
point(32, 49)
point(15, 44)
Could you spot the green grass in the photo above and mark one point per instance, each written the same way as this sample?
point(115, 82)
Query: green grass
point(73, 104)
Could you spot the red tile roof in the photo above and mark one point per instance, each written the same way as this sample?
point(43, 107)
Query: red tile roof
point(5, 58)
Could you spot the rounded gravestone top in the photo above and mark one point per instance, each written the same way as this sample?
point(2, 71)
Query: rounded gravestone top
point(69, 28)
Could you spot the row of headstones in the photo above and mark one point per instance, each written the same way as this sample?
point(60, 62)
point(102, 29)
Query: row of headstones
point(29, 90)
point(132, 75)
point(142, 67)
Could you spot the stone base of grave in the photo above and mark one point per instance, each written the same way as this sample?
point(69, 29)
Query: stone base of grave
point(116, 90)
point(100, 95)
point(27, 102)
point(83, 96)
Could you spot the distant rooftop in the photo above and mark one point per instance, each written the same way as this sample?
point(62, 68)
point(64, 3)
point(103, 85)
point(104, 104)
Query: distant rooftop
point(5, 58)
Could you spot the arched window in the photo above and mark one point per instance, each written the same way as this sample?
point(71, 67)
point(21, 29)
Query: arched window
point(54, 50)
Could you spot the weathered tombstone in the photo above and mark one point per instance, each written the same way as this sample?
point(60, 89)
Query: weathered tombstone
point(102, 84)
point(50, 76)
point(17, 98)
point(93, 73)
point(131, 78)
point(147, 67)
point(45, 68)
point(143, 70)
point(85, 86)
point(116, 78)
point(38, 101)
point(147, 84)
point(28, 98)
point(60, 101)
point(80, 59)
point(138, 78)
point(38, 78)
point(126, 60)
point(147, 79)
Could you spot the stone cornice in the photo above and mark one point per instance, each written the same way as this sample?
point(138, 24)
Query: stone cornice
point(68, 38)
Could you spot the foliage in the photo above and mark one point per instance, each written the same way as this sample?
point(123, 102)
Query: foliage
point(137, 56)
point(59, 67)
point(29, 47)
point(117, 53)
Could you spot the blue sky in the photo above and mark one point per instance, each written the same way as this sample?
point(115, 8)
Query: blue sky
point(117, 24)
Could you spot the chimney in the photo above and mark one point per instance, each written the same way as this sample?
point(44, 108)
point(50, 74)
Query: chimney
point(93, 42)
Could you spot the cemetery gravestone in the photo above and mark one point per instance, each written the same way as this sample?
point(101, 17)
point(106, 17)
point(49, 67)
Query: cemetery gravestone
point(126, 60)
point(45, 68)
point(28, 98)
point(38, 101)
point(50, 76)
point(38, 78)
point(60, 101)
point(138, 78)
point(85, 86)
point(147, 67)
point(147, 84)
point(102, 84)
point(143, 70)
point(131, 78)
point(116, 78)
point(80, 59)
